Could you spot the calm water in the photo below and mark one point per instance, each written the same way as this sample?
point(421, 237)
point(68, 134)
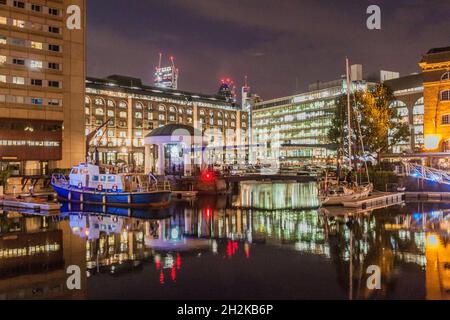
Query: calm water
point(208, 249)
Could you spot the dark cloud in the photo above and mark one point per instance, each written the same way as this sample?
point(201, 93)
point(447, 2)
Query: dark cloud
point(282, 45)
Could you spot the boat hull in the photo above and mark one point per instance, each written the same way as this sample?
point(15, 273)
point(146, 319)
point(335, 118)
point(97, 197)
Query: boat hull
point(138, 199)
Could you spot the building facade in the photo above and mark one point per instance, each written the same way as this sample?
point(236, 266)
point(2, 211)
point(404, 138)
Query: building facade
point(133, 110)
point(436, 81)
point(42, 77)
point(409, 105)
point(294, 130)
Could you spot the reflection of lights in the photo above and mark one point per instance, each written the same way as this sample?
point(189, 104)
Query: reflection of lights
point(161, 277)
point(158, 261)
point(247, 250)
point(432, 241)
point(174, 233)
point(214, 246)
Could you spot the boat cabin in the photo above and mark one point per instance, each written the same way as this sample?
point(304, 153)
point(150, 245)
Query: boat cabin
point(93, 177)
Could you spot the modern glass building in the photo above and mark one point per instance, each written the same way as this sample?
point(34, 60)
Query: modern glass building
point(294, 130)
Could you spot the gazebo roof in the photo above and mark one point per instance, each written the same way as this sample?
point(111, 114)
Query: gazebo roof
point(171, 129)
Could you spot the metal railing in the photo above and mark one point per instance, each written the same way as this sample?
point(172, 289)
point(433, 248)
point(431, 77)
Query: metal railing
point(426, 173)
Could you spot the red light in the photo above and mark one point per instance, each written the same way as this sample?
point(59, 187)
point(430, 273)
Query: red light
point(173, 274)
point(161, 277)
point(178, 261)
point(208, 176)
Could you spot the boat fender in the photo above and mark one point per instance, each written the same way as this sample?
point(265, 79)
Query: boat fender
point(114, 188)
point(80, 185)
point(100, 187)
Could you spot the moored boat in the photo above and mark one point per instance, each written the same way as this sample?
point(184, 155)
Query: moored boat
point(92, 184)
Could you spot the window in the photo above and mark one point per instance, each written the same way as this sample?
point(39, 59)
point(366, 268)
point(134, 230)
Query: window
point(37, 101)
point(87, 111)
point(18, 42)
point(53, 65)
point(446, 119)
point(162, 108)
point(53, 11)
point(172, 118)
point(202, 112)
point(2, 59)
point(172, 109)
point(36, 45)
point(138, 106)
point(122, 114)
point(99, 112)
point(3, 20)
point(36, 8)
point(3, 40)
point(123, 134)
point(19, 62)
point(53, 84)
point(53, 29)
point(162, 117)
point(36, 64)
point(18, 23)
point(18, 80)
point(445, 76)
point(110, 113)
point(2, 78)
point(138, 115)
point(123, 104)
point(36, 82)
point(180, 111)
point(54, 102)
point(189, 111)
point(99, 102)
point(19, 4)
point(53, 47)
point(445, 95)
point(87, 101)
point(111, 104)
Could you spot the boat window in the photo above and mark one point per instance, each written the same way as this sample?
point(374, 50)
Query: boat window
point(75, 171)
point(95, 178)
point(102, 178)
point(111, 178)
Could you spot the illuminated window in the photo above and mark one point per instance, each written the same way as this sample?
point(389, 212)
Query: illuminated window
point(110, 113)
point(162, 117)
point(162, 108)
point(139, 106)
point(202, 112)
point(446, 76)
point(37, 101)
point(172, 109)
point(180, 111)
point(138, 115)
point(3, 20)
point(87, 111)
point(99, 112)
point(3, 40)
point(18, 80)
point(18, 23)
point(87, 101)
point(2, 78)
point(99, 102)
point(35, 64)
point(150, 116)
point(122, 114)
point(123, 104)
point(36, 45)
point(445, 95)
point(111, 103)
point(172, 118)
point(189, 111)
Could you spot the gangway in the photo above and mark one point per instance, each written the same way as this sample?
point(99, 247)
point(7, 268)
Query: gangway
point(426, 173)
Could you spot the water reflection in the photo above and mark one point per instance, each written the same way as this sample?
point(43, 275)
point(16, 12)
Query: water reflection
point(206, 249)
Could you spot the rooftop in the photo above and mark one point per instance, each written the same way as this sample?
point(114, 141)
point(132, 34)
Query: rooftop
point(135, 86)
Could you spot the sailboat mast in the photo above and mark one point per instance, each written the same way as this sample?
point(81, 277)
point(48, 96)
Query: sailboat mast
point(349, 115)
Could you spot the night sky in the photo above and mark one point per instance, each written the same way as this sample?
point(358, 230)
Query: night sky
point(282, 45)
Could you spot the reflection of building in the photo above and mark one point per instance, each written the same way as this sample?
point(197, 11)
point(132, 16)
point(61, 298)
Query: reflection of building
point(134, 110)
point(295, 129)
point(42, 71)
point(438, 267)
point(34, 255)
point(436, 76)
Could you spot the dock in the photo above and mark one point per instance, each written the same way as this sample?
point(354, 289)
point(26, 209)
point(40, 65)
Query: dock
point(29, 204)
point(377, 200)
point(428, 196)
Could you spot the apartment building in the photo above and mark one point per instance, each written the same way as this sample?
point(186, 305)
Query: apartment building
point(42, 85)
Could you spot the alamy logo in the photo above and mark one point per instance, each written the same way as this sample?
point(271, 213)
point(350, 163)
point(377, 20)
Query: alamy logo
point(74, 280)
point(73, 21)
point(374, 20)
point(374, 280)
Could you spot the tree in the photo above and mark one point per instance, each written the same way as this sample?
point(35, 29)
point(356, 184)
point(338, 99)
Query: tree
point(381, 127)
point(379, 123)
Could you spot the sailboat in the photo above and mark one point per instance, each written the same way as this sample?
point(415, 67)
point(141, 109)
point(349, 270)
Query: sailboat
point(338, 192)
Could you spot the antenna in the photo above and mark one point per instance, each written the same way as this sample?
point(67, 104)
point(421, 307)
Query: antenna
point(160, 60)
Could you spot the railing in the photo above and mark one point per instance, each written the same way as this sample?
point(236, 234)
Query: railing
point(59, 179)
point(426, 173)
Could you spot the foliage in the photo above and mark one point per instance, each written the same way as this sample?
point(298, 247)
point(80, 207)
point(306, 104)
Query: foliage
point(4, 176)
point(378, 121)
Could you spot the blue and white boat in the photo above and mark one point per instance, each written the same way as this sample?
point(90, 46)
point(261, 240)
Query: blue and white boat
point(92, 184)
